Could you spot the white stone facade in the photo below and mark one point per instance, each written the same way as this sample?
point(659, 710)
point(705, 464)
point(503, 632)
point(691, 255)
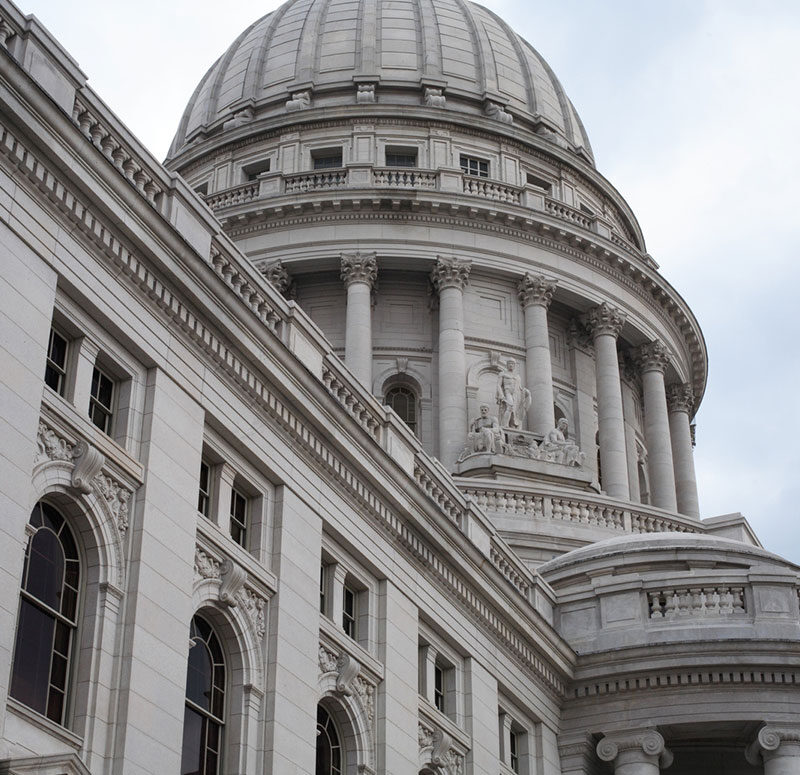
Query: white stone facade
point(196, 401)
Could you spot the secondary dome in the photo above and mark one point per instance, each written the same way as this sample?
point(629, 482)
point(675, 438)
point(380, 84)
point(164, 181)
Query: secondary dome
point(322, 46)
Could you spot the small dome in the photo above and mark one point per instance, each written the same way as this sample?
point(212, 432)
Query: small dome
point(323, 46)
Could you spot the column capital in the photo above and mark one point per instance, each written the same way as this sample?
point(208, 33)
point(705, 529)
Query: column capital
point(604, 319)
point(450, 272)
point(646, 742)
point(359, 268)
point(652, 356)
point(536, 289)
point(769, 741)
point(277, 276)
point(680, 397)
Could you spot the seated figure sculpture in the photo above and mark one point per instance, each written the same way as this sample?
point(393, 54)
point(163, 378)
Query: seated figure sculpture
point(512, 398)
point(484, 434)
point(557, 447)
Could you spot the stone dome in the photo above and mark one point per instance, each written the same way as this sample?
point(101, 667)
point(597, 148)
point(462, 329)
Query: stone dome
point(403, 47)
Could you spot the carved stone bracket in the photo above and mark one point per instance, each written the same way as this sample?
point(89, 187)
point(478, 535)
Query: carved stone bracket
point(680, 397)
point(652, 356)
point(536, 289)
point(350, 680)
point(436, 751)
point(232, 580)
point(359, 268)
point(88, 463)
point(450, 272)
point(775, 740)
point(604, 319)
point(645, 745)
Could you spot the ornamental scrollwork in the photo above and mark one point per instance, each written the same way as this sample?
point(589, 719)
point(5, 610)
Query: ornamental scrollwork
point(359, 268)
point(437, 752)
point(450, 272)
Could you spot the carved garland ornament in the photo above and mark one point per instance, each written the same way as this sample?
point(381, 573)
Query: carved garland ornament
point(86, 475)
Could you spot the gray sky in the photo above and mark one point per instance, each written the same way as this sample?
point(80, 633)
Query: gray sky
point(693, 112)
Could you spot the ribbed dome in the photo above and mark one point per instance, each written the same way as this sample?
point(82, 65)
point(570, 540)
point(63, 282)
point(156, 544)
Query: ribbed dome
point(402, 45)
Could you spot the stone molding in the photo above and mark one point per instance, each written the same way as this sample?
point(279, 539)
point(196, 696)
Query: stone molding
point(104, 242)
point(649, 742)
point(450, 272)
point(680, 397)
point(277, 276)
point(604, 320)
point(359, 268)
point(770, 740)
point(536, 289)
point(652, 356)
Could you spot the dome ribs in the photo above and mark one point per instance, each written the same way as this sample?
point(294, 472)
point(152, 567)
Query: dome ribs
point(308, 49)
point(366, 39)
point(487, 74)
point(431, 39)
point(254, 79)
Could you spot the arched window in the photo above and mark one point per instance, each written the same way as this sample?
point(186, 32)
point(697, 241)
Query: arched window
point(47, 615)
point(203, 717)
point(329, 749)
point(404, 401)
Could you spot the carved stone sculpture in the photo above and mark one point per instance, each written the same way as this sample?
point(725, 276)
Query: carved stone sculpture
point(299, 101)
point(498, 113)
point(512, 398)
point(434, 98)
point(485, 434)
point(239, 118)
point(365, 93)
point(557, 447)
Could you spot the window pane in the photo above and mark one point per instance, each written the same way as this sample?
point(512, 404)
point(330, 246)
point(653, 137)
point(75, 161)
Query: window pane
point(45, 575)
point(193, 739)
point(30, 676)
point(198, 676)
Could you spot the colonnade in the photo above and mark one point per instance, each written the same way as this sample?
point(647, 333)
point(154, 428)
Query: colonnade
point(667, 408)
point(644, 751)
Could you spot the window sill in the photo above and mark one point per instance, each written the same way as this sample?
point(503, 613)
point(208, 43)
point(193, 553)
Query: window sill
point(45, 724)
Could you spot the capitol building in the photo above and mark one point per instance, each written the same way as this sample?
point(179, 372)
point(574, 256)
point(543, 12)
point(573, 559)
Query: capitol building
point(357, 437)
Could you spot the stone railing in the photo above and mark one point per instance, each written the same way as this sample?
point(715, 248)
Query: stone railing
point(392, 177)
point(538, 502)
point(566, 213)
point(697, 601)
point(238, 195)
point(364, 409)
point(490, 189)
point(510, 567)
point(316, 180)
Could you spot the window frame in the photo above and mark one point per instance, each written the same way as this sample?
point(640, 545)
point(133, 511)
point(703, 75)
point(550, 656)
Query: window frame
point(108, 410)
point(242, 523)
point(320, 158)
point(205, 497)
point(413, 400)
point(62, 369)
point(475, 166)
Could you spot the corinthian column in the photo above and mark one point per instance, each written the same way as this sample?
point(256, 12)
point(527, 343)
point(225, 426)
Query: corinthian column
point(359, 272)
point(638, 752)
point(680, 401)
point(605, 323)
point(778, 747)
point(449, 277)
point(653, 359)
point(535, 294)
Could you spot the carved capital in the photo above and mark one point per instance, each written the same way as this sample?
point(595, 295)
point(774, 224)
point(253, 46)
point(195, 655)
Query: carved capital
point(536, 289)
point(277, 276)
point(772, 740)
point(359, 268)
point(88, 464)
point(604, 319)
point(644, 742)
point(652, 356)
point(680, 397)
point(579, 337)
point(449, 272)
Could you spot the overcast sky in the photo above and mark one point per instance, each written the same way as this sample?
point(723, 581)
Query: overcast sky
point(693, 110)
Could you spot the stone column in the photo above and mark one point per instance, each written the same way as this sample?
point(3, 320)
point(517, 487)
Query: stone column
point(637, 752)
point(535, 294)
point(605, 323)
point(449, 277)
point(359, 272)
point(680, 401)
point(653, 359)
point(778, 747)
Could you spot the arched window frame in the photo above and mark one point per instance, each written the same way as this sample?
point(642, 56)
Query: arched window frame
point(329, 740)
point(63, 618)
point(411, 392)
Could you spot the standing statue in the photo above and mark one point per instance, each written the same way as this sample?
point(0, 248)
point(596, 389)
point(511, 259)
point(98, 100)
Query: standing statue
point(484, 433)
point(559, 448)
point(512, 398)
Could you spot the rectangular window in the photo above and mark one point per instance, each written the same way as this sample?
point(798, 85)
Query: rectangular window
point(323, 607)
point(330, 159)
point(101, 400)
point(56, 369)
point(401, 158)
point(535, 180)
point(252, 171)
point(513, 751)
point(473, 166)
point(204, 490)
point(349, 612)
point(438, 688)
point(239, 518)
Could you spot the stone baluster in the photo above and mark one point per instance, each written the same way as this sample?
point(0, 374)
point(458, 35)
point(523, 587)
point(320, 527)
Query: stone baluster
point(652, 359)
point(635, 752)
point(680, 400)
point(535, 294)
point(449, 278)
point(359, 272)
point(605, 323)
point(777, 746)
